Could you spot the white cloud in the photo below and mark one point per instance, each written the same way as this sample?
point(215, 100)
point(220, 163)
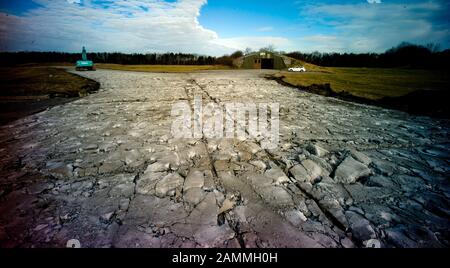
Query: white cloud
point(321, 43)
point(127, 26)
point(161, 26)
point(256, 42)
point(375, 28)
point(265, 29)
point(374, 1)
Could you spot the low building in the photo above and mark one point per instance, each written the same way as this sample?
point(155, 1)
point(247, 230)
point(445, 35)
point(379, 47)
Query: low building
point(262, 60)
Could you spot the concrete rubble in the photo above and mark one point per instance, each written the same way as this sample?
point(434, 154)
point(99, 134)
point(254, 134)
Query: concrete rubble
point(106, 171)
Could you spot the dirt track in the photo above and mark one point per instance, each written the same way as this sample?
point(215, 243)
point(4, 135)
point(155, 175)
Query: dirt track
point(106, 171)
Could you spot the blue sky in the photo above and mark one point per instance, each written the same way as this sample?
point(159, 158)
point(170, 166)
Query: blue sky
point(217, 27)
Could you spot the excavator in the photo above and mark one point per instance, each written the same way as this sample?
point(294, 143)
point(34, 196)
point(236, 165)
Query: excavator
point(84, 64)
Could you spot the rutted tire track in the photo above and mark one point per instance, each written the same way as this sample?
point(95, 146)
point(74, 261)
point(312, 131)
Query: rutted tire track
point(280, 165)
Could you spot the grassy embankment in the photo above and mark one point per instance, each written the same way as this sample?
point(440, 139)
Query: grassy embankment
point(27, 90)
point(421, 91)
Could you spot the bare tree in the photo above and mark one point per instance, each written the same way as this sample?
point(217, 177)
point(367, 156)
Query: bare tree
point(270, 48)
point(433, 47)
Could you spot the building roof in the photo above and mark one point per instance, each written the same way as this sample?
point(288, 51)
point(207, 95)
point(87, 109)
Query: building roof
point(263, 51)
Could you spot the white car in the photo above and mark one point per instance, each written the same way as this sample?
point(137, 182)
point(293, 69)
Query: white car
point(297, 69)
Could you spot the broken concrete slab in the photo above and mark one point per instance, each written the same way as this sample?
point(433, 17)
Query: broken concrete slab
point(350, 170)
point(168, 185)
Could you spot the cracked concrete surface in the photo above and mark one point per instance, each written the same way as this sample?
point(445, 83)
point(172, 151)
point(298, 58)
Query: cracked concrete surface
point(105, 170)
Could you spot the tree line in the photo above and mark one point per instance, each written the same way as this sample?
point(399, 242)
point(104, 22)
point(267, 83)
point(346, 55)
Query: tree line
point(403, 55)
point(11, 58)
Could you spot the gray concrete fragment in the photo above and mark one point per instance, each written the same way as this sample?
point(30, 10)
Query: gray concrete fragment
point(158, 167)
point(195, 179)
point(147, 182)
point(168, 184)
point(316, 150)
point(360, 227)
point(277, 175)
point(350, 170)
point(193, 196)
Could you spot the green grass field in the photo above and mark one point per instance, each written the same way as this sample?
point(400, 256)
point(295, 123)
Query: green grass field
point(161, 68)
point(370, 83)
point(38, 81)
